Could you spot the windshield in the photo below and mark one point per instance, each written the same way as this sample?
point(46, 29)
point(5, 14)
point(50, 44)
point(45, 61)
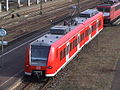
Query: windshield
point(104, 9)
point(85, 15)
point(39, 53)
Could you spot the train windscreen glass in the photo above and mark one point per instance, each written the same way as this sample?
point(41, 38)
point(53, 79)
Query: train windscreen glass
point(39, 54)
point(103, 9)
point(85, 15)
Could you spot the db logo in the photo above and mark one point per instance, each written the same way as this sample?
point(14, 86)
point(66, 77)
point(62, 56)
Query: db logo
point(38, 67)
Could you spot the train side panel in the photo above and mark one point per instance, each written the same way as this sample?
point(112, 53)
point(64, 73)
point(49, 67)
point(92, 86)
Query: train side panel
point(115, 12)
point(52, 61)
point(69, 45)
point(27, 62)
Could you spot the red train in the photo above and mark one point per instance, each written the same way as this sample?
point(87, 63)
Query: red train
point(111, 11)
point(53, 51)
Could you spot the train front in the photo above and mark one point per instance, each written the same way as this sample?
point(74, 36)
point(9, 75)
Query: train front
point(40, 56)
point(36, 58)
point(106, 9)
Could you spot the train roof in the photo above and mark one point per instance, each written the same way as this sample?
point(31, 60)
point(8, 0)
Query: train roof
point(46, 40)
point(56, 32)
point(89, 11)
point(109, 4)
point(86, 15)
point(49, 39)
point(59, 27)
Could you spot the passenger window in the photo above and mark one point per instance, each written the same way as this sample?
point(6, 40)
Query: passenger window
point(117, 7)
point(64, 52)
point(82, 36)
point(71, 46)
point(75, 42)
point(61, 55)
point(86, 33)
point(94, 27)
point(67, 49)
point(78, 39)
point(99, 23)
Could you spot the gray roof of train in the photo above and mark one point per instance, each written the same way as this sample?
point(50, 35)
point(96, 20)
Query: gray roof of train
point(49, 39)
point(46, 40)
point(89, 11)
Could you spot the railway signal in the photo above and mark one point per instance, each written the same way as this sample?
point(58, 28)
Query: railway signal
point(2, 43)
point(2, 32)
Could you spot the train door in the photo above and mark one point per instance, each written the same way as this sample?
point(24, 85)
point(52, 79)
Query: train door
point(78, 41)
point(97, 26)
point(86, 34)
point(67, 51)
point(93, 28)
point(90, 31)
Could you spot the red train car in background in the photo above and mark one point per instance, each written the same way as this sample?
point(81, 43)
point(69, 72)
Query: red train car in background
point(53, 51)
point(111, 11)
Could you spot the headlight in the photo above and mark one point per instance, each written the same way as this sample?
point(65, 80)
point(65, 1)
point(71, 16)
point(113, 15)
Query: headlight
point(49, 67)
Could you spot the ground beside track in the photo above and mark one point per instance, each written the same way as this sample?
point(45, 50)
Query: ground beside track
point(95, 66)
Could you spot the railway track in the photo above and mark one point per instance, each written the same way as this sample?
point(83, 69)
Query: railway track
point(32, 26)
point(42, 85)
point(29, 25)
point(34, 11)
